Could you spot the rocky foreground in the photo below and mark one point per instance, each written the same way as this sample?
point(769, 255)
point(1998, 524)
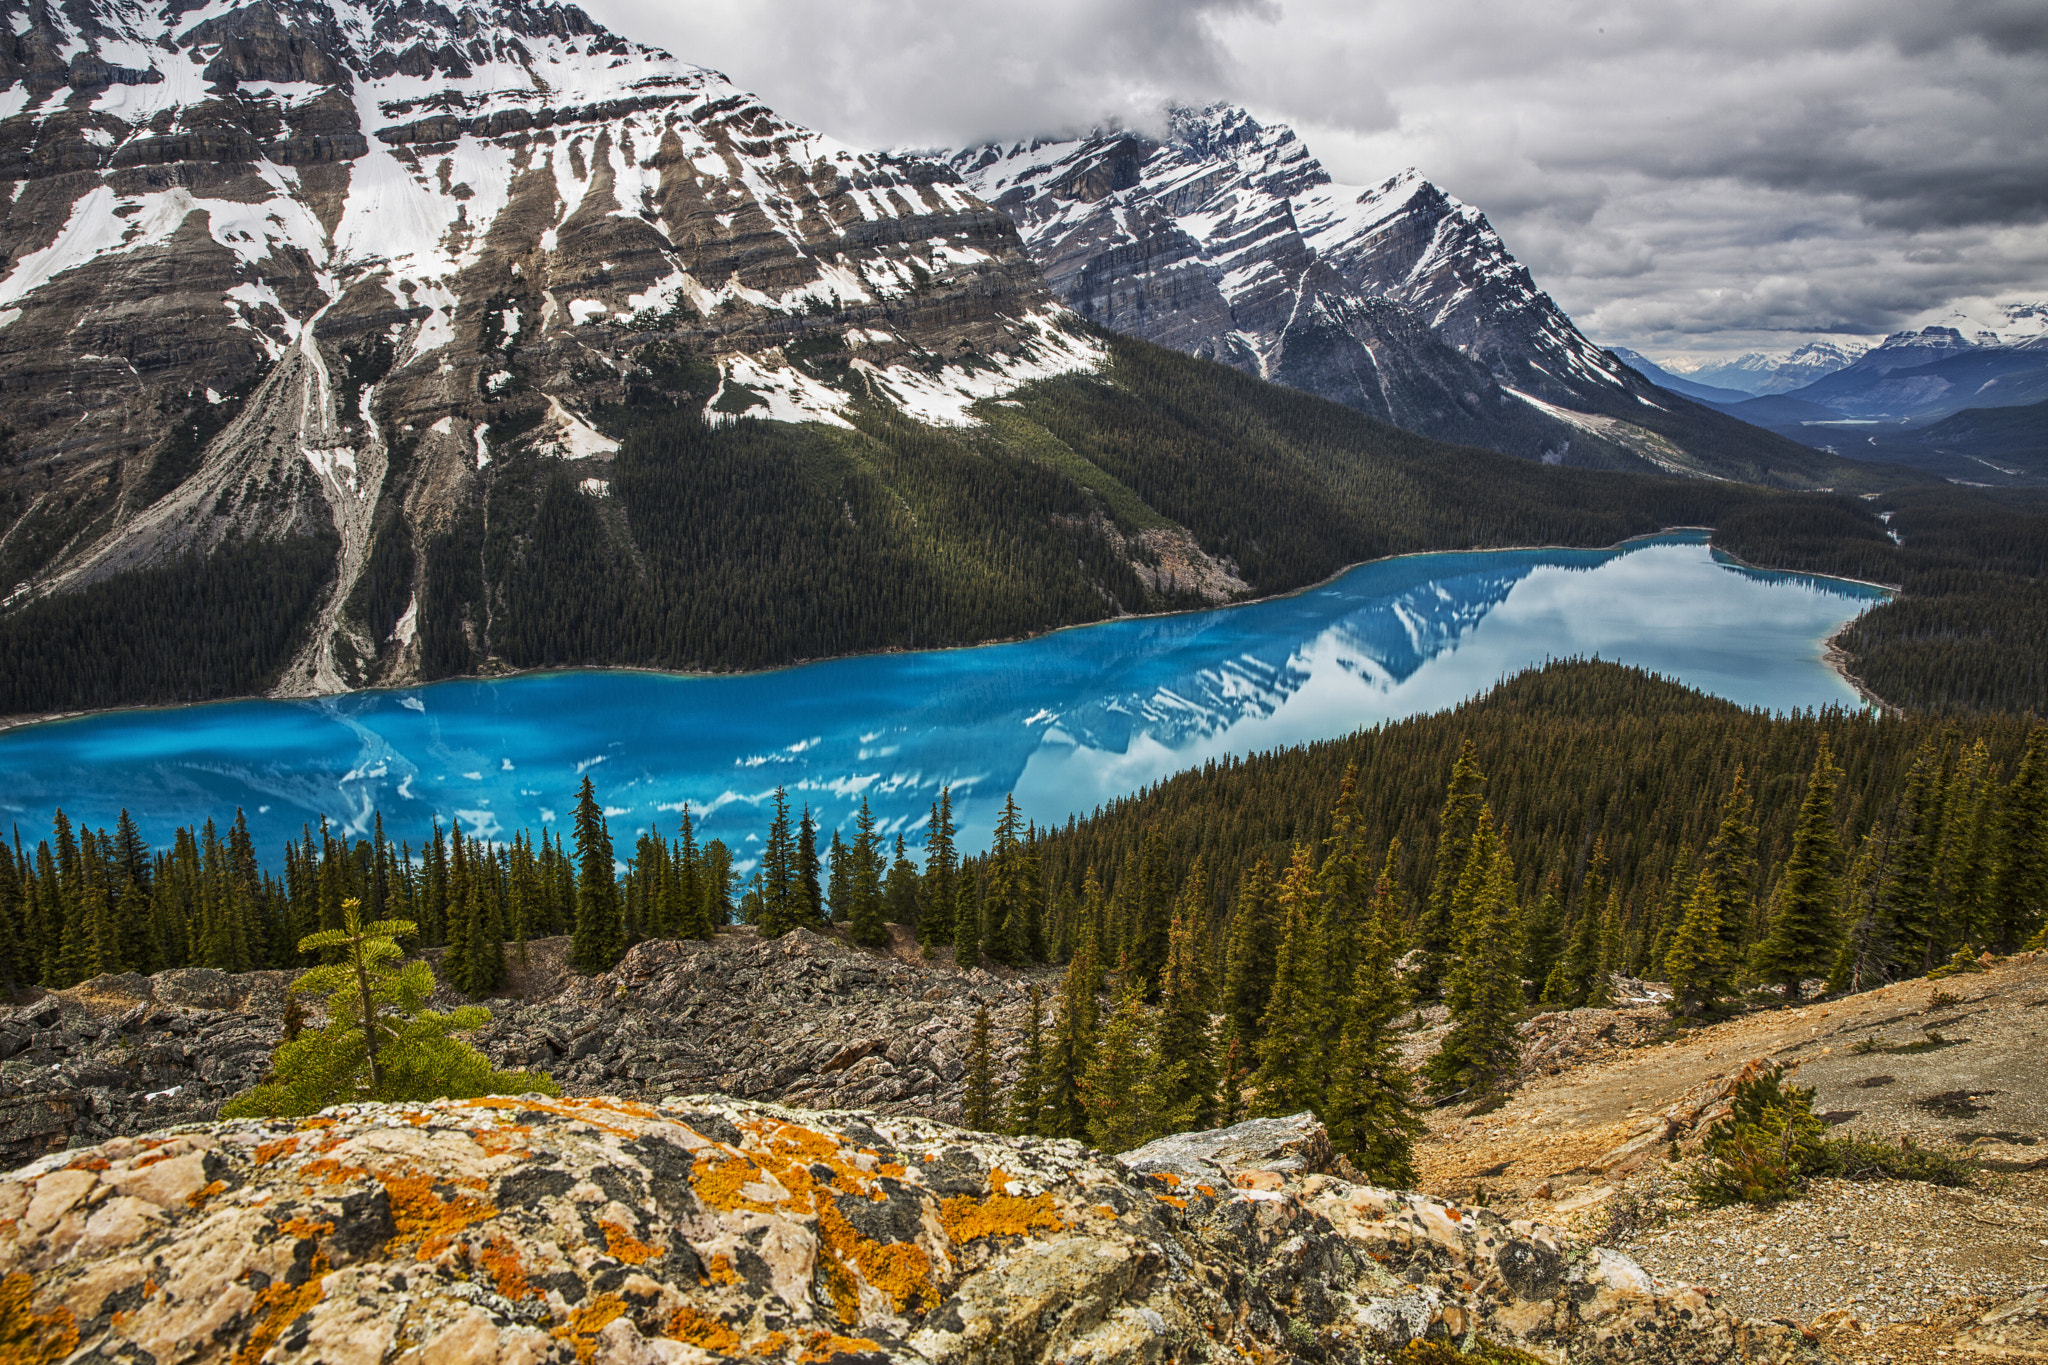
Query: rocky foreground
point(603, 1229)
point(804, 1019)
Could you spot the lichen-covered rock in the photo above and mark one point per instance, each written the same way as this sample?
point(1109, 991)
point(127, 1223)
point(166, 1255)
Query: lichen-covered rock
point(528, 1229)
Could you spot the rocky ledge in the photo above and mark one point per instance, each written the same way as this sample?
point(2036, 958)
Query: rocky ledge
point(611, 1230)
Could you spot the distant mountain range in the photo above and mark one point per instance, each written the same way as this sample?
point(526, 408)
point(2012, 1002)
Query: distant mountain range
point(1225, 238)
point(1966, 406)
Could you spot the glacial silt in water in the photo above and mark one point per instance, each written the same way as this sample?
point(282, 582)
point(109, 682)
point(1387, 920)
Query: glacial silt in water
point(1067, 720)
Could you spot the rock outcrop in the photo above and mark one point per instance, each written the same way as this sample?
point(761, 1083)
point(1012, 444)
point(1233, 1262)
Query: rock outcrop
point(803, 1019)
point(524, 1229)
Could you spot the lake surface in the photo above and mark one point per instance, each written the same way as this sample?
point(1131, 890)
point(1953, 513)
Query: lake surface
point(1067, 720)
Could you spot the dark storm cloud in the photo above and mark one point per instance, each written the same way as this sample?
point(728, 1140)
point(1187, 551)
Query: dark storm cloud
point(1680, 176)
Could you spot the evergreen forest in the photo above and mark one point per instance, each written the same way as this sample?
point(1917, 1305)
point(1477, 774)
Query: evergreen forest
point(1245, 937)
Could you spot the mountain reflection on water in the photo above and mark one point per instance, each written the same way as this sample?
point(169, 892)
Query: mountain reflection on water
point(1067, 720)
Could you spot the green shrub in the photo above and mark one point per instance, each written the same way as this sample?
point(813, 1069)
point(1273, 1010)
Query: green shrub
point(1862, 1159)
point(1766, 1148)
point(381, 1041)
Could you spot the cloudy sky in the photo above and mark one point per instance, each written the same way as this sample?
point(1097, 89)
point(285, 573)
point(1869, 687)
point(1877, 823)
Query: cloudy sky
point(1684, 179)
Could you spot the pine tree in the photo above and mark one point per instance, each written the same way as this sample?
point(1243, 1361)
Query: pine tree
point(1608, 963)
point(839, 878)
point(1152, 921)
point(1027, 1097)
point(935, 926)
point(1966, 846)
point(1484, 988)
point(1254, 943)
point(1063, 1107)
point(1705, 948)
point(978, 1107)
point(1907, 891)
point(599, 938)
point(695, 918)
point(810, 894)
point(864, 916)
point(782, 907)
point(1370, 1108)
point(899, 890)
point(1804, 935)
point(1543, 945)
point(1290, 1075)
point(381, 1041)
point(1436, 933)
point(1186, 999)
point(2019, 888)
point(1124, 1078)
point(1005, 903)
point(967, 925)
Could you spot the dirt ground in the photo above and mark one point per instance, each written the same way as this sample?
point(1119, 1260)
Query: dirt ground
point(1888, 1272)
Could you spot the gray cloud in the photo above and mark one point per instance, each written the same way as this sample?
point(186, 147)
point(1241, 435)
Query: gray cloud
point(1678, 177)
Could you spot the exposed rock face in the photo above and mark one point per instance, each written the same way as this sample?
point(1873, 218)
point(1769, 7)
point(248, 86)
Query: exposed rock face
point(399, 224)
point(528, 1229)
point(802, 1019)
point(1227, 239)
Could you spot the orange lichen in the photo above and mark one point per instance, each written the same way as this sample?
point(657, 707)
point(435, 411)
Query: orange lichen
point(1105, 1210)
point(822, 1346)
point(1167, 1178)
point(1172, 1199)
point(624, 1246)
point(499, 1141)
point(267, 1152)
point(774, 1344)
point(688, 1325)
point(143, 1163)
point(811, 1167)
point(279, 1303)
point(718, 1270)
point(206, 1192)
point(424, 1217)
point(89, 1163)
point(305, 1124)
point(328, 1171)
point(26, 1336)
point(303, 1227)
point(1000, 1215)
point(581, 1330)
point(1208, 1192)
point(500, 1260)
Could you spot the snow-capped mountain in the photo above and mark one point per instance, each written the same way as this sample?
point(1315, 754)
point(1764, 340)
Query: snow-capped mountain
point(1226, 238)
point(1764, 372)
point(354, 223)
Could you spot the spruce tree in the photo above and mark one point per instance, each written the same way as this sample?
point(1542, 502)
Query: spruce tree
point(1907, 892)
point(1370, 1107)
point(694, 920)
point(864, 915)
point(899, 889)
point(1152, 920)
point(978, 1106)
point(1484, 988)
point(967, 926)
point(1254, 944)
point(811, 894)
point(941, 867)
point(1063, 1108)
point(1005, 900)
point(839, 878)
point(1543, 944)
point(1966, 846)
point(1027, 1097)
point(1292, 1034)
point(1124, 1078)
point(782, 905)
point(1608, 961)
point(381, 1041)
point(1804, 935)
point(2019, 888)
point(1436, 932)
point(1186, 1000)
point(1700, 971)
point(599, 938)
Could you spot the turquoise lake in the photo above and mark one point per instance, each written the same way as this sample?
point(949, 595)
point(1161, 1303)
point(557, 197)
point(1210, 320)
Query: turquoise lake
point(1066, 720)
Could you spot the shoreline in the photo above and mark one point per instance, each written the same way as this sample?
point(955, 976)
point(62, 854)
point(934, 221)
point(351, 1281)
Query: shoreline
point(8, 724)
